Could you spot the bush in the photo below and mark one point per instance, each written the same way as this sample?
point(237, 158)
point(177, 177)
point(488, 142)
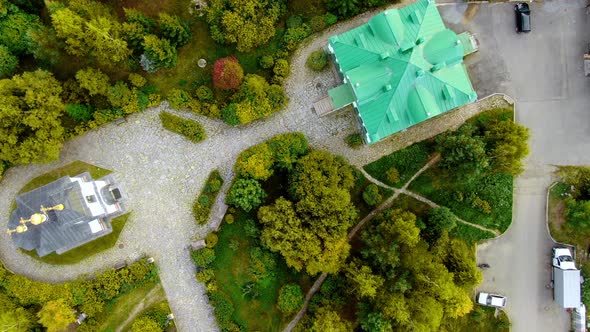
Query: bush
point(281, 68)
point(246, 194)
point(290, 298)
point(190, 129)
point(294, 21)
point(137, 80)
point(79, 112)
point(203, 257)
point(330, 19)
point(438, 220)
point(318, 23)
point(266, 62)
point(354, 141)
point(205, 201)
point(224, 307)
point(211, 240)
point(227, 74)
point(204, 93)
point(371, 195)
point(392, 175)
point(229, 218)
point(317, 60)
point(178, 99)
point(294, 36)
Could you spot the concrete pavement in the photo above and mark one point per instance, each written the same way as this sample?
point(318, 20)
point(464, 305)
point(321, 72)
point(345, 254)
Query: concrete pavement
point(542, 70)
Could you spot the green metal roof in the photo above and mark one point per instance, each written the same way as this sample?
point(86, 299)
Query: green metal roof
point(402, 67)
point(341, 96)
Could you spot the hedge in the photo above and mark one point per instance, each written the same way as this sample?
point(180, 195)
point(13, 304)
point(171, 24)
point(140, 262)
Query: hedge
point(190, 129)
point(203, 203)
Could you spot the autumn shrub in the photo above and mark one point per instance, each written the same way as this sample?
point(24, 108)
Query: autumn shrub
point(227, 74)
point(281, 68)
point(178, 99)
point(317, 60)
point(294, 36)
point(318, 23)
point(204, 93)
point(392, 175)
point(137, 80)
point(211, 240)
point(371, 195)
point(203, 257)
point(190, 129)
point(255, 162)
point(229, 218)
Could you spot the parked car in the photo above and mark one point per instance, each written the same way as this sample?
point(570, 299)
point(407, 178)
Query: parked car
point(491, 300)
point(523, 17)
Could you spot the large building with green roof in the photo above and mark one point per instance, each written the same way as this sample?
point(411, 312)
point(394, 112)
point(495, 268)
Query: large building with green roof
point(401, 68)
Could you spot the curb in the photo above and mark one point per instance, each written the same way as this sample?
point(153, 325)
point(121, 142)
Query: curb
point(547, 220)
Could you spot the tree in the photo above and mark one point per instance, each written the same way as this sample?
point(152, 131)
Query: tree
point(145, 324)
point(93, 80)
point(328, 320)
point(439, 219)
point(363, 283)
point(30, 114)
point(371, 195)
point(14, 30)
point(310, 230)
point(159, 52)
point(317, 60)
point(508, 142)
point(227, 73)
point(462, 156)
point(15, 320)
point(246, 23)
point(290, 298)
point(79, 112)
point(344, 8)
point(173, 29)
point(8, 62)
point(56, 315)
point(203, 257)
point(375, 322)
point(577, 213)
point(256, 162)
point(246, 194)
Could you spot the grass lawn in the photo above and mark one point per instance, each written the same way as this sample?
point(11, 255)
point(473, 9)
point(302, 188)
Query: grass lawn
point(78, 254)
point(72, 169)
point(231, 272)
point(496, 189)
point(118, 311)
point(407, 162)
point(481, 319)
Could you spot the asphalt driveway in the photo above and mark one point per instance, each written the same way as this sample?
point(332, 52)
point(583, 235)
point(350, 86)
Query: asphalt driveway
point(542, 70)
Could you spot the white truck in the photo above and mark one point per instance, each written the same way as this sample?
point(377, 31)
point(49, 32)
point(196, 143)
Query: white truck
point(566, 279)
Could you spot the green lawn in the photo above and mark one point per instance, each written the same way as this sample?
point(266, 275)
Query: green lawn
point(231, 272)
point(496, 189)
point(118, 311)
point(75, 168)
point(78, 254)
point(407, 162)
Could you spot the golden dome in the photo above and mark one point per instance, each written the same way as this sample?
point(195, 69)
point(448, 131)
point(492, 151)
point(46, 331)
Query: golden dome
point(38, 218)
point(21, 228)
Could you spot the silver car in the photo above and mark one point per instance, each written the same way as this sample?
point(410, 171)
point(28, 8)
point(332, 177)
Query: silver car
point(491, 300)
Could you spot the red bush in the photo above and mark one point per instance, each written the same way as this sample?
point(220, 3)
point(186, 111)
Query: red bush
point(227, 73)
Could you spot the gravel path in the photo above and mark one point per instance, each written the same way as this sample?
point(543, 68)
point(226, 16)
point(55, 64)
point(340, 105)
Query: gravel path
point(162, 173)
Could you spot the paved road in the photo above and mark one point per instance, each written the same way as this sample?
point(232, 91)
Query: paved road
point(543, 71)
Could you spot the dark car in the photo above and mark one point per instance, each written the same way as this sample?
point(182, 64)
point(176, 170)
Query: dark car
point(523, 17)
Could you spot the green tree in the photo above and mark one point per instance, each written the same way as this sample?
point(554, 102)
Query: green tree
point(256, 162)
point(203, 257)
point(328, 320)
point(508, 141)
point(173, 29)
point(577, 213)
point(439, 219)
point(290, 298)
point(56, 315)
point(246, 23)
point(160, 52)
point(30, 114)
point(375, 322)
point(363, 283)
point(317, 60)
point(14, 31)
point(462, 156)
point(15, 320)
point(145, 324)
point(311, 231)
point(344, 8)
point(246, 194)
point(371, 195)
point(93, 80)
point(8, 62)
point(79, 112)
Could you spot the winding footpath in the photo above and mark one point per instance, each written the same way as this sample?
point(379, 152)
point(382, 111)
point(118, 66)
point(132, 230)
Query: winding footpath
point(161, 173)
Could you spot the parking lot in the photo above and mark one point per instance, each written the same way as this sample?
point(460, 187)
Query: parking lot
point(543, 71)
